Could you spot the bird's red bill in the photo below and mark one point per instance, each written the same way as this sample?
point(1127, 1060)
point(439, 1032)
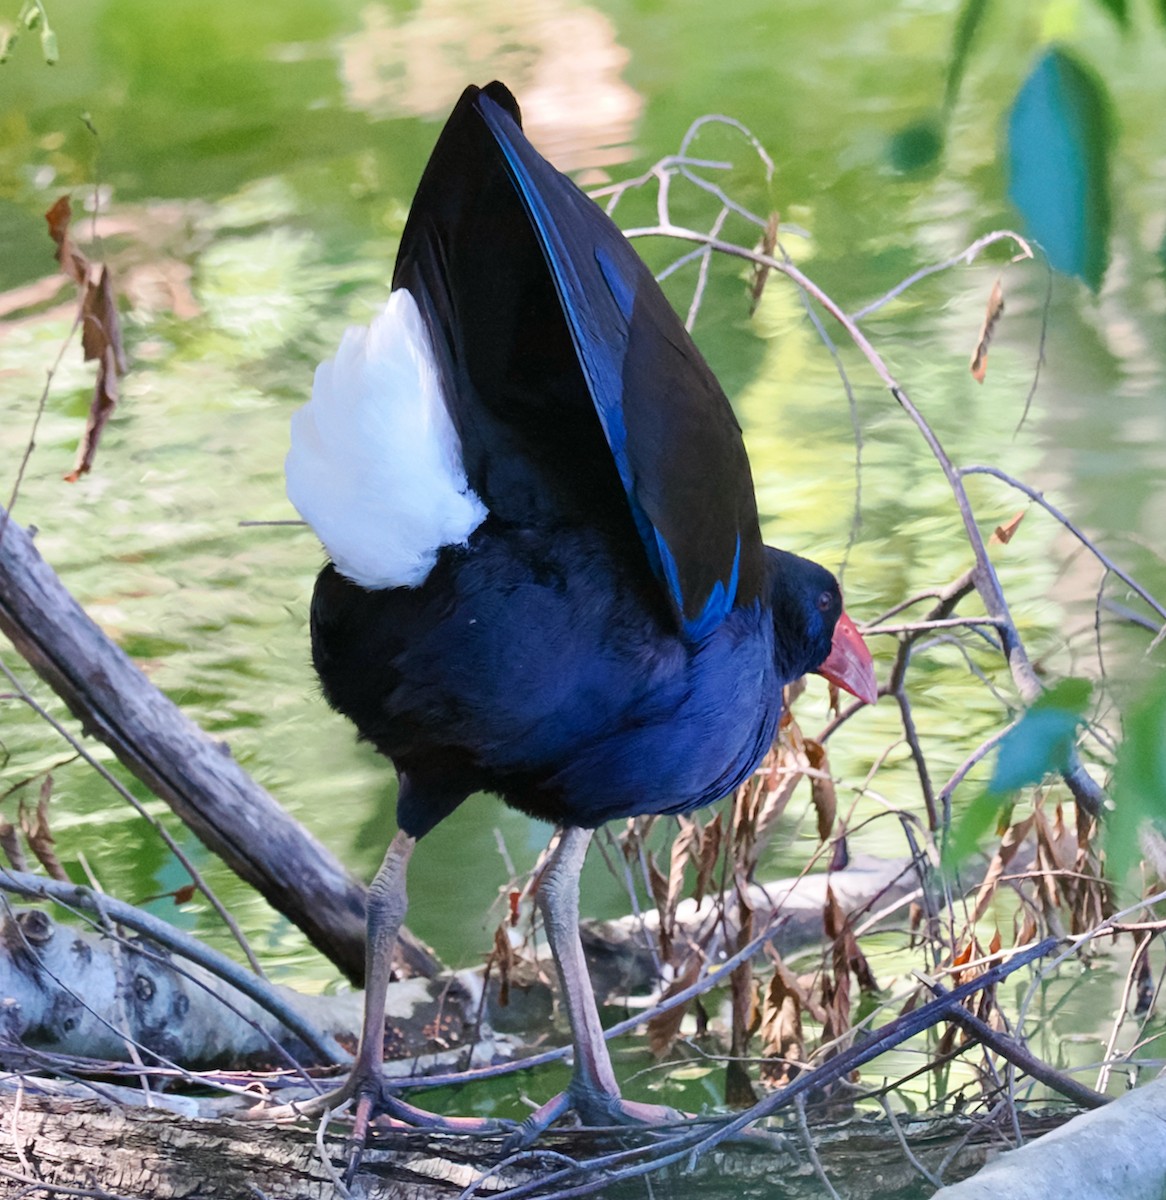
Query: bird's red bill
point(849, 664)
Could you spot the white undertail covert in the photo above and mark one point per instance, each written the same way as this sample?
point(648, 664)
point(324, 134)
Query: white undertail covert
point(375, 465)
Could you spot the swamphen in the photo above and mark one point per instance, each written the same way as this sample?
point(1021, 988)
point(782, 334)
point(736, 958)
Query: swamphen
point(547, 578)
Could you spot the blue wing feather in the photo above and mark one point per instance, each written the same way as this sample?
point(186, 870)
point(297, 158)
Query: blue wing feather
point(604, 288)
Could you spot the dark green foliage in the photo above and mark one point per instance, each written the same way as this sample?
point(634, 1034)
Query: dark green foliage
point(1140, 785)
point(1036, 746)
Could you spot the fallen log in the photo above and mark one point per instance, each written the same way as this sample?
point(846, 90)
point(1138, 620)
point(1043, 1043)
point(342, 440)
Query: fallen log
point(61, 1138)
point(1115, 1151)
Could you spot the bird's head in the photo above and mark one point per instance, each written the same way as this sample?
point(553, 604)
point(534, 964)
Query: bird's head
point(811, 631)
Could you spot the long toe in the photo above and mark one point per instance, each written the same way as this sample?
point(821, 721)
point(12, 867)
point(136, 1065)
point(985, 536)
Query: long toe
point(596, 1110)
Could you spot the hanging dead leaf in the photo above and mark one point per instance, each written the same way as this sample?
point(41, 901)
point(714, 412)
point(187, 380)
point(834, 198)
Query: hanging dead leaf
point(761, 271)
point(39, 836)
point(741, 888)
point(710, 849)
point(100, 323)
point(182, 895)
point(10, 844)
point(659, 885)
point(746, 1018)
point(822, 794)
point(995, 944)
point(101, 340)
point(847, 954)
point(664, 1028)
point(72, 262)
point(1002, 534)
point(783, 1042)
point(840, 855)
point(979, 363)
point(501, 960)
point(1014, 837)
point(784, 771)
point(683, 851)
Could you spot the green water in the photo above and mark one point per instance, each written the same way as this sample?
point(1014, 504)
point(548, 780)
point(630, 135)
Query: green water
point(255, 164)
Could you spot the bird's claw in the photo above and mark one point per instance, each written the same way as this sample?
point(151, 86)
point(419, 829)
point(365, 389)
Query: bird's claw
point(596, 1110)
point(379, 1109)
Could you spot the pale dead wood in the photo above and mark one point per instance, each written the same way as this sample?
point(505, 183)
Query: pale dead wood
point(79, 1143)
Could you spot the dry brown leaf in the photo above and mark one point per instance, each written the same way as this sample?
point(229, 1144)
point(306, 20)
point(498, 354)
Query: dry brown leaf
point(100, 323)
point(847, 955)
point(683, 851)
point(782, 776)
point(1010, 843)
point(995, 944)
point(761, 271)
point(822, 793)
point(710, 849)
point(959, 959)
point(501, 960)
point(10, 844)
point(38, 834)
point(659, 885)
point(72, 262)
point(1003, 532)
point(658, 882)
point(101, 340)
point(782, 1039)
point(664, 1028)
point(836, 983)
point(979, 363)
point(745, 1020)
point(741, 887)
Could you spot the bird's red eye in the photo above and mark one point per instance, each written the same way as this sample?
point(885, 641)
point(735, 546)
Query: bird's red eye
point(825, 601)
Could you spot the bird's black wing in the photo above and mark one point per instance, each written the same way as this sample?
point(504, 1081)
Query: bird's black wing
point(552, 320)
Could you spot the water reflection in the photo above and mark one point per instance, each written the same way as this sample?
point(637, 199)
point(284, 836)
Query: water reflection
point(562, 59)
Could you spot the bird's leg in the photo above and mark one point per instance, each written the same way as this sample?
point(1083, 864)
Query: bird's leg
point(593, 1092)
point(386, 905)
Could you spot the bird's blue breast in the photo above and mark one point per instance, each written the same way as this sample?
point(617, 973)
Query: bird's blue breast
point(543, 660)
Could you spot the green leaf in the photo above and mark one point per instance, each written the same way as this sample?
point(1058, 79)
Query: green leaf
point(1139, 792)
point(917, 145)
point(969, 21)
point(969, 829)
point(1119, 10)
point(1059, 136)
point(1042, 739)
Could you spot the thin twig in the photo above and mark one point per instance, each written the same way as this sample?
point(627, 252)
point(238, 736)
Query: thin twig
point(163, 833)
point(811, 1151)
point(900, 1137)
point(1053, 511)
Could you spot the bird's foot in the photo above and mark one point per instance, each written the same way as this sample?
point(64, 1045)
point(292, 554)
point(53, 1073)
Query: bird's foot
point(376, 1107)
point(596, 1110)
